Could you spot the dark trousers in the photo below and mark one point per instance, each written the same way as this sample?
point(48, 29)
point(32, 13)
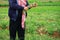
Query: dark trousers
point(15, 26)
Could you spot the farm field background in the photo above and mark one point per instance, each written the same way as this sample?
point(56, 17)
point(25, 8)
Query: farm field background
point(40, 2)
point(47, 17)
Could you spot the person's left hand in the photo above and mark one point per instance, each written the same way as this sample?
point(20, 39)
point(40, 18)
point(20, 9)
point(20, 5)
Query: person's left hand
point(34, 4)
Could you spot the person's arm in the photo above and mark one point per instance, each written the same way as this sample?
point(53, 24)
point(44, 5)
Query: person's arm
point(28, 5)
point(31, 5)
point(14, 5)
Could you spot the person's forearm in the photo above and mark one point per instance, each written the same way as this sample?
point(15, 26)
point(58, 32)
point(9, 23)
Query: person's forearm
point(30, 6)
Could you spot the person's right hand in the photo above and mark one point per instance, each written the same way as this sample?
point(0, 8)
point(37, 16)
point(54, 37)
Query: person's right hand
point(25, 8)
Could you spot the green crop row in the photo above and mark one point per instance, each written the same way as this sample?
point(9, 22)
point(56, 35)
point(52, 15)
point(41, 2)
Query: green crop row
point(50, 3)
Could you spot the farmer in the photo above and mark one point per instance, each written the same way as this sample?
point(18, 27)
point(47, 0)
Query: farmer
point(17, 14)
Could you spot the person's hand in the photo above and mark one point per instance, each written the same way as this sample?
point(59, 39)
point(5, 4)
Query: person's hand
point(25, 8)
point(34, 4)
point(30, 5)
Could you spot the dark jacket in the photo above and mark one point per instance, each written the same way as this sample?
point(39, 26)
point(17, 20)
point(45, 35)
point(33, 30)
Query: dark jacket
point(15, 9)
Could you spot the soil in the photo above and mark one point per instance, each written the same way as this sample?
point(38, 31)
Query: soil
point(56, 34)
point(41, 31)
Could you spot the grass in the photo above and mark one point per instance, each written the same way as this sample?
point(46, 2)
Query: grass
point(45, 16)
point(41, 16)
point(49, 3)
point(3, 2)
point(3, 17)
point(4, 35)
